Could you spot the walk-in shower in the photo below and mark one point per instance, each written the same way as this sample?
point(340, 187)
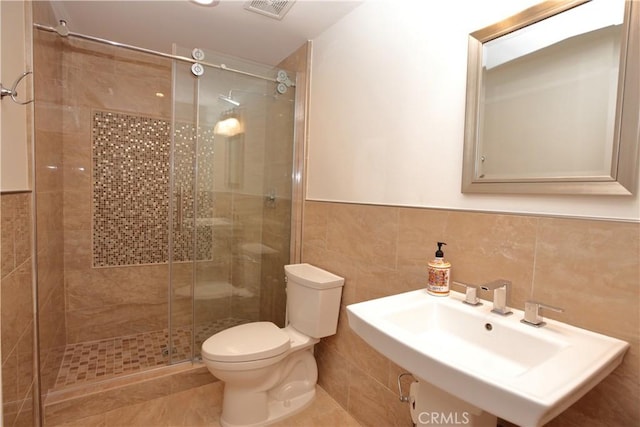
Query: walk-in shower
point(161, 225)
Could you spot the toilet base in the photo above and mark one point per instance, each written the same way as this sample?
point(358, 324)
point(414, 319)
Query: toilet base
point(279, 409)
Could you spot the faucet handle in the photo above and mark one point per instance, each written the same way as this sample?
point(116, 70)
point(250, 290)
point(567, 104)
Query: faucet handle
point(532, 313)
point(471, 293)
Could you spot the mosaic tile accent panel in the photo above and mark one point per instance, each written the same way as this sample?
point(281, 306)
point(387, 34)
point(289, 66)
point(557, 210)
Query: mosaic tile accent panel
point(130, 188)
point(131, 173)
point(184, 192)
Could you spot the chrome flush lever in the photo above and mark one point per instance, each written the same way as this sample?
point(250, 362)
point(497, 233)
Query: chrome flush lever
point(532, 315)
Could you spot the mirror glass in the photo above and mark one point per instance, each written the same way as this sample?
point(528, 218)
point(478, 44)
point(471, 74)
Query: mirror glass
point(545, 100)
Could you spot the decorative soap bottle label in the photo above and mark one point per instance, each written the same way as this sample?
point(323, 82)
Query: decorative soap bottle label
point(439, 278)
point(439, 272)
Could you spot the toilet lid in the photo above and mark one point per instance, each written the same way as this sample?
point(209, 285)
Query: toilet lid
point(242, 343)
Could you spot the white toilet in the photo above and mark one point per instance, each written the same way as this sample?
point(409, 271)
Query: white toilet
point(271, 373)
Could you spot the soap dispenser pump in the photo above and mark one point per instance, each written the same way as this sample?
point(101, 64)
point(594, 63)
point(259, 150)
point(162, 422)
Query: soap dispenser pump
point(439, 273)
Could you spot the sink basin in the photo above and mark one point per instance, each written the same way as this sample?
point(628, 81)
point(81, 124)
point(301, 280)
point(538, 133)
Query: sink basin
point(522, 374)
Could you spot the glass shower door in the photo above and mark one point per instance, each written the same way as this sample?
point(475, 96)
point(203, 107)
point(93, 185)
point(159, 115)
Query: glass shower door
point(232, 187)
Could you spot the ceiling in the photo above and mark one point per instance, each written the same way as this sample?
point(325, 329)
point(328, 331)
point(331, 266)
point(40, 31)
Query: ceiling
point(225, 28)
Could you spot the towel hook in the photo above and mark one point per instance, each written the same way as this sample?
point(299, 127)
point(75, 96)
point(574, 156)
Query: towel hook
point(13, 93)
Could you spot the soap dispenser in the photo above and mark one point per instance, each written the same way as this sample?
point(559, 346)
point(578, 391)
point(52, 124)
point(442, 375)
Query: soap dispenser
point(439, 274)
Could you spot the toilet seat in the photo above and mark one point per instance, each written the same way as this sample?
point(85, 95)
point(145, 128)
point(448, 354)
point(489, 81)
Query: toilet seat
point(246, 343)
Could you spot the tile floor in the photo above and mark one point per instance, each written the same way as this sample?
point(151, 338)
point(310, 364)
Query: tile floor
point(201, 406)
point(99, 360)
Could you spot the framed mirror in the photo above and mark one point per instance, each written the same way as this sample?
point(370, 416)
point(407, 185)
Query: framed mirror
point(553, 98)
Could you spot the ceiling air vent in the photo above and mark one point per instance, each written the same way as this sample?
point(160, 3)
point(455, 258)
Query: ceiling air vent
point(272, 8)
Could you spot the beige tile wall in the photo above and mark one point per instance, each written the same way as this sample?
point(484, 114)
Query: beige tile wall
point(590, 268)
point(105, 302)
point(277, 215)
point(48, 144)
point(17, 309)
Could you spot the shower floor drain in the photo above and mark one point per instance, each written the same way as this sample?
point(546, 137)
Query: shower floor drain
point(165, 351)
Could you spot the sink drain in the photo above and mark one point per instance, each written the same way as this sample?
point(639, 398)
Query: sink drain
point(488, 326)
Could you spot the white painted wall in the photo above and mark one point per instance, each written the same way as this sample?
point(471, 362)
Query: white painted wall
point(387, 111)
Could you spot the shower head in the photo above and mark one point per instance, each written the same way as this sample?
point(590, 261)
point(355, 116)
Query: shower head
point(62, 28)
point(229, 100)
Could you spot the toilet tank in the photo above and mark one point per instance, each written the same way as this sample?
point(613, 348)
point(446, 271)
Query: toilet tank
point(313, 299)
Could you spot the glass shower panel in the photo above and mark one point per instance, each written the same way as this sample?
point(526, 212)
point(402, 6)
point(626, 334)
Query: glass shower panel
point(239, 208)
point(182, 215)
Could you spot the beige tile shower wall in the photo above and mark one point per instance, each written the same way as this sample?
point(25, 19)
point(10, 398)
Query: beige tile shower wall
point(590, 268)
point(111, 301)
point(240, 203)
point(17, 309)
point(281, 148)
point(247, 212)
point(48, 86)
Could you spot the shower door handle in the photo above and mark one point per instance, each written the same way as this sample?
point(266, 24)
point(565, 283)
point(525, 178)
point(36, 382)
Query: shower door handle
point(179, 209)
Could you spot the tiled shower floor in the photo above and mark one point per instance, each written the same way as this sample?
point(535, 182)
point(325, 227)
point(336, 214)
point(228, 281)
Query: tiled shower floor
point(109, 358)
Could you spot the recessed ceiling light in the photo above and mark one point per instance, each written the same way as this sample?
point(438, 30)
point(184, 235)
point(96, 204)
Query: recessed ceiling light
point(206, 2)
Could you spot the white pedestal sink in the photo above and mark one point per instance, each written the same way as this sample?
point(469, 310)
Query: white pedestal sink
point(522, 374)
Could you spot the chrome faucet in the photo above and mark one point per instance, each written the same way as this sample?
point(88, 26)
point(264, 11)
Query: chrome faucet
point(501, 292)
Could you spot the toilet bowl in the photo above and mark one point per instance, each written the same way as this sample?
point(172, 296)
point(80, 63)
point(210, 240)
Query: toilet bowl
point(270, 373)
point(264, 380)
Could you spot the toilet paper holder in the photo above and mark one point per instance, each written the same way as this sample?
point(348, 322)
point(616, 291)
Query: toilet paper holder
point(403, 397)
